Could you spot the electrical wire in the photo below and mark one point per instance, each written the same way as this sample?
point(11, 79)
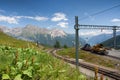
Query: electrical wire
point(94, 14)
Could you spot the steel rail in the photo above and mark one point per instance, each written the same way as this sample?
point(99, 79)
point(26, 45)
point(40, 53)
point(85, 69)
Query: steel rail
point(114, 57)
point(111, 74)
point(110, 56)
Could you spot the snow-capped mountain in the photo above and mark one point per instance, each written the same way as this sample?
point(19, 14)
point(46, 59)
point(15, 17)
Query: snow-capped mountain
point(31, 29)
point(5, 29)
point(34, 30)
point(57, 32)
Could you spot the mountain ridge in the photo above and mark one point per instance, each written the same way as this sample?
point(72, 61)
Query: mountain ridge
point(100, 38)
point(34, 30)
point(42, 35)
point(109, 42)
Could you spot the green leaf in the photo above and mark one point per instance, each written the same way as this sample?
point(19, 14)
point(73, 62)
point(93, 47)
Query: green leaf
point(28, 72)
point(13, 70)
point(19, 65)
point(61, 71)
point(5, 76)
point(82, 77)
point(18, 77)
point(50, 66)
point(30, 68)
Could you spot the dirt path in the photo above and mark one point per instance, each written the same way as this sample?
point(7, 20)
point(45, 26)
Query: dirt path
point(90, 74)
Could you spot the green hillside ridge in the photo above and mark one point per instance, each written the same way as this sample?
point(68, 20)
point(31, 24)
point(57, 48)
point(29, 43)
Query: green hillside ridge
point(20, 60)
point(13, 42)
point(109, 42)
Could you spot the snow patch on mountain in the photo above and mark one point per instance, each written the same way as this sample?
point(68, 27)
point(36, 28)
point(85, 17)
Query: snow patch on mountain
point(31, 29)
point(57, 33)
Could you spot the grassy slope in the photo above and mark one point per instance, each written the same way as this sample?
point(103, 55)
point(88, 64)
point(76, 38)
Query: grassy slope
point(13, 42)
point(88, 57)
point(52, 68)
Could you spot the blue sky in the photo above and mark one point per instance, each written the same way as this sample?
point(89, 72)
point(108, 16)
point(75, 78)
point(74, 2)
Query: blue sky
point(58, 13)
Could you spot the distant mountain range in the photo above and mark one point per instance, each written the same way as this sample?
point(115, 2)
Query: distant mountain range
point(100, 38)
point(41, 35)
point(49, 36)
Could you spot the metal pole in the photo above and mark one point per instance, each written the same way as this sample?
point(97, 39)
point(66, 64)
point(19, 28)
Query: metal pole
point(114, 37)
point(76, 39)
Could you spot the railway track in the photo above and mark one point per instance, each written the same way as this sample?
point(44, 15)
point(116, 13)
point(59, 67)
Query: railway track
point(110, 56)
point(114, 57)
point(111, 74)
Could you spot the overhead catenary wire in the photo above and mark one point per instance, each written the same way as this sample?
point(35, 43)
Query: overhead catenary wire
point(102, 11)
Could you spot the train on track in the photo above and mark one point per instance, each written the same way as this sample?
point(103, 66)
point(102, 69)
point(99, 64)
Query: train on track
point(97, 49)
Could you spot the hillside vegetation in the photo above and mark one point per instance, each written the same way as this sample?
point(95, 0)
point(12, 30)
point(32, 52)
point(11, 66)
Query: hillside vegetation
point(13, 42)
point(20, 60)
point(109, 42)
point(89, 57)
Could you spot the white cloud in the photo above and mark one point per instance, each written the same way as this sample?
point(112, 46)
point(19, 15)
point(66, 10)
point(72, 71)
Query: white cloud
point(88, 33)
point(59, 17)
point(10, 20)
point(38, 18)
point(107, 31)
point(63, 24)
point(15, 19)
point(94, 33)
point(115, 20)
